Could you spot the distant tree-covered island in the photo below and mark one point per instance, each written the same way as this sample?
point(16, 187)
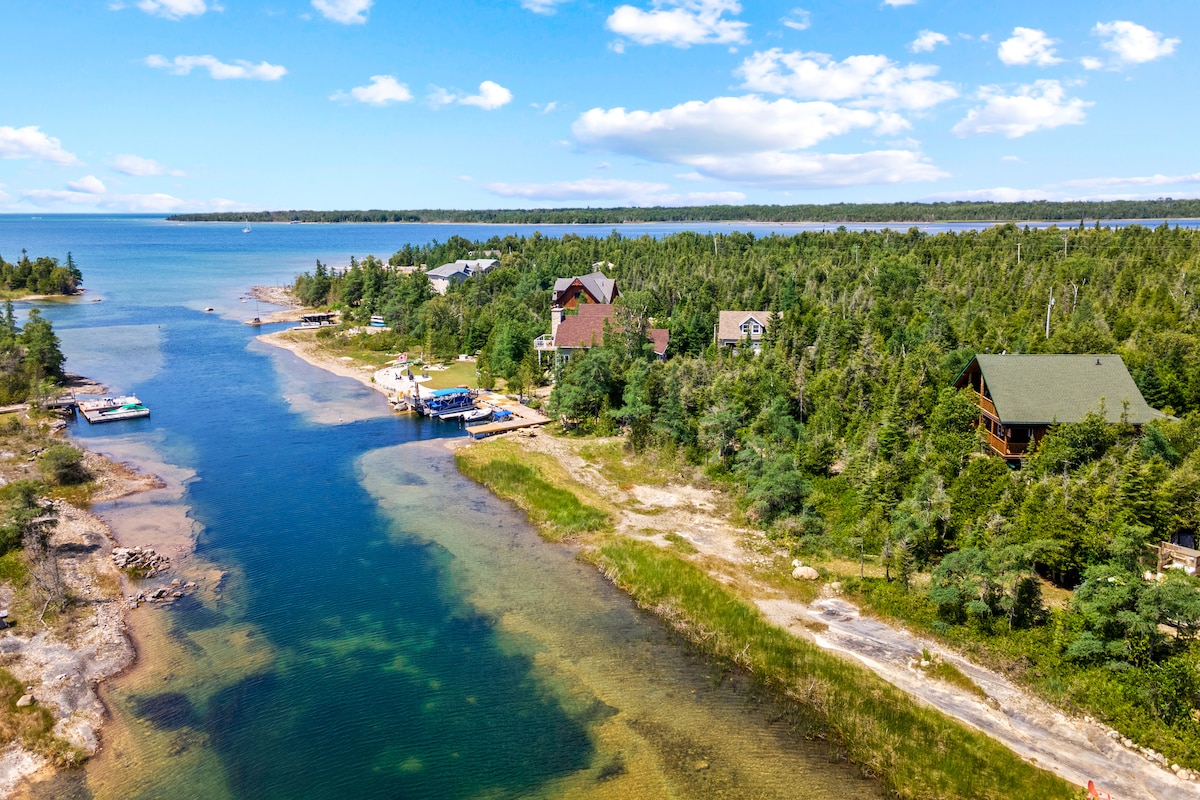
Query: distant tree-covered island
point(835, 213)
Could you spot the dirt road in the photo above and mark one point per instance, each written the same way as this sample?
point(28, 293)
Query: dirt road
point(1077, 749)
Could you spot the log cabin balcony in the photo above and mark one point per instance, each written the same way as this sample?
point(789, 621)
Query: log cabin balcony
point(1005, 448)
point(987, 405)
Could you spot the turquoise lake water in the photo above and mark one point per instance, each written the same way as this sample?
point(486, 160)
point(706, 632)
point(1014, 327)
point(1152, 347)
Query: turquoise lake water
point(369, 624)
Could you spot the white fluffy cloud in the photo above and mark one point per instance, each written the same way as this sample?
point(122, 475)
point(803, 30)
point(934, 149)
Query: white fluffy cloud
point(491, 96)
point(89, 184)
point(927, 40)
point(898, 3)
point(681, 23)
point(584, 189)
point(91, 193)
point(798, 19)
point(752, 140)
point(239, 70)
point(635, 193)
point(347, 12)
point(820, 170)
point(1000, 194)
point(383, 90)
point(30, 142)
point(1038, 106)
point(1090, 63)
point(1145, 180)
point(725, 125)
point(866, 81)
point(1131, 43)
point(173, 9)
point(1028, 46)
point(137, 166)
point(542, 6)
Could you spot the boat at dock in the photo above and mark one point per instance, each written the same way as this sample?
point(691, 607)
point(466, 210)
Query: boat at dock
point(112, 409)
point(322, 320)
point(447, 403)
point(477, 415)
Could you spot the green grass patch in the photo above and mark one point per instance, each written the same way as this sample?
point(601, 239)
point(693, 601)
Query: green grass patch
point(625, 468)
point(79, 495)
point(946, 672)
point(12, 568)
point(457, 373)
point(681, 544)
point(556, 510)
point(918, 752)
point(32, 725)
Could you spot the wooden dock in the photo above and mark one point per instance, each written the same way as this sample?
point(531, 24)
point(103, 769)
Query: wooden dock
point(112, 409)
point(522, 417)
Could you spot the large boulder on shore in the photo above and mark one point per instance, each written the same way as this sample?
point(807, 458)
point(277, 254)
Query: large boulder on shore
point(805, 573)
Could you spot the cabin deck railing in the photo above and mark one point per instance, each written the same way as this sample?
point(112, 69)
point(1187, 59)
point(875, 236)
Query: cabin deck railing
point(987, 405)
point(1175, 555)
point(1007, 449)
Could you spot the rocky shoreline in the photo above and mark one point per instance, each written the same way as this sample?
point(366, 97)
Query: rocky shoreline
point(63, 665)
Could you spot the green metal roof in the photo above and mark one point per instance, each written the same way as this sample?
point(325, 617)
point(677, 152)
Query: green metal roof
point(1044, 389)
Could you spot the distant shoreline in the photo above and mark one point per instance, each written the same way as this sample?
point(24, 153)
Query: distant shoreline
point(882, 214)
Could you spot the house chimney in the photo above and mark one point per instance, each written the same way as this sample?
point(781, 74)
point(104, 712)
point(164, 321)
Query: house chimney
point(556, 316)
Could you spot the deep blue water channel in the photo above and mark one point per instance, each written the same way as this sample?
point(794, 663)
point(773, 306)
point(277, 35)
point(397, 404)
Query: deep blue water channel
point(380, 628)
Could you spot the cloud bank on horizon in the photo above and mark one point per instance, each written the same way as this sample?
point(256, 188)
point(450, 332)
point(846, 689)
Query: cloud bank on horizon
point(173, 105)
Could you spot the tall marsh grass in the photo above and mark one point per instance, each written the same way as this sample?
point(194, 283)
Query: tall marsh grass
point(556, 511)
point(915, 750)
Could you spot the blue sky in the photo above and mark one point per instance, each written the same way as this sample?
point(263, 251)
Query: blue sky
point(195, 105)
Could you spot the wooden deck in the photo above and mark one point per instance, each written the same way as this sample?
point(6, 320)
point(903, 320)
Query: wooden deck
point(523, 417)
point(1179, 557)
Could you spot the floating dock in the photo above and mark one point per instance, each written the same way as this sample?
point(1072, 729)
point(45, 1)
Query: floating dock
point(111, 409)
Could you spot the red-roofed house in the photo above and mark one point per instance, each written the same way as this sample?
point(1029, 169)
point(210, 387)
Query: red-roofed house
point(586, 329)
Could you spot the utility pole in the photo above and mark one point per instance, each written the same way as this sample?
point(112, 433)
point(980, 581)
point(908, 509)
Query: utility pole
point(1049, 306)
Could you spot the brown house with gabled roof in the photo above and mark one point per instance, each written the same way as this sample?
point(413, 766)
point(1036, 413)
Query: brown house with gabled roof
point(1021, 396)
point(594, 287)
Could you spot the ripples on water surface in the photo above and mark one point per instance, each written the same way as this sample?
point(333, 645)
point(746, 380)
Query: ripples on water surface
point(369, 624)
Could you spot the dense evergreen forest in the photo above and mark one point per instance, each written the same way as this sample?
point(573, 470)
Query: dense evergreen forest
point(845, 438)
point(31, 361)
point(1032, 211)
point(43, 275)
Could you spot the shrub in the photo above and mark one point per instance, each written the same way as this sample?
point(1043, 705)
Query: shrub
point(62, 465)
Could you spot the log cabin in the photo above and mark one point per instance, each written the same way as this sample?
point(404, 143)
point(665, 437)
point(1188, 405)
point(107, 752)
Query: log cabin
point(1021, 396)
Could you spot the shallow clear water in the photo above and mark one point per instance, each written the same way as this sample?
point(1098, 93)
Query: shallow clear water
point(368, 623)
